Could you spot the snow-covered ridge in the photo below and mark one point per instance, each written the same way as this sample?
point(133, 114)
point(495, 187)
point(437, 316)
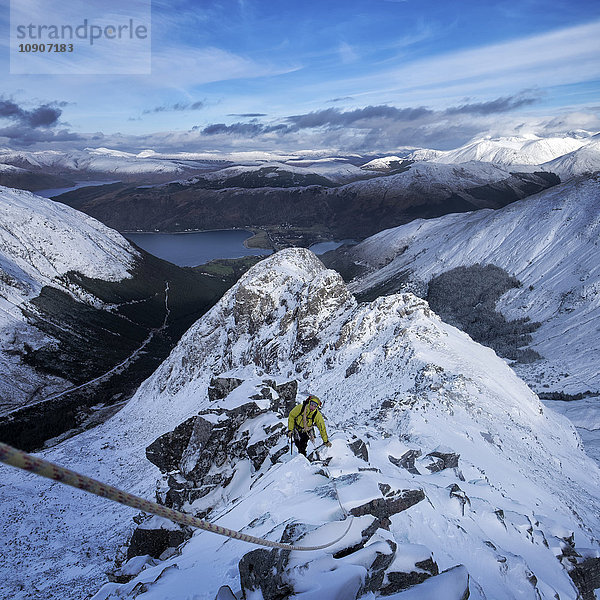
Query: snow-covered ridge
point(90, 160)
point(434, 179)
point(549, 242)
point(41, 240)
point(382, 164)
point(390, 372)
point(530, 150)
point(584, 160)
point(335, 171)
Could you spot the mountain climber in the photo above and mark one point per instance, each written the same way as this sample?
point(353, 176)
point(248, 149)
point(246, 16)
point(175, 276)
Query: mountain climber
point(301, 420)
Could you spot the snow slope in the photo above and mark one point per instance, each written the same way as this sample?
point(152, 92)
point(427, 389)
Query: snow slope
point(40, 241)
point(527, 150)
point(584, 160)
point(433, 179)
point(549, 242)
point(390, 372)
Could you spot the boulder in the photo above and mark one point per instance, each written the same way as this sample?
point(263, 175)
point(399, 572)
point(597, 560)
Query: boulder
point(359, 449)
point(442, 461)
point(384, 508)
point(221, 387)
point(407, 461)
point(264, 570)
point(166, 451)
point(155, 536)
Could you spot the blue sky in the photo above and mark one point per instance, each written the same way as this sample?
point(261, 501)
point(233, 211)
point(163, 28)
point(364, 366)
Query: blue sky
point(351, 76)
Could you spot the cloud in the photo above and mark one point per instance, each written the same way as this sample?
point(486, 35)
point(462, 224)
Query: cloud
point(28, 136)
point(247, 115)
point(333, 117)
point(373, 128)
point(242, 129)
point(45, 115)
point(178, 106)
point(500, 105)
point(31, 126)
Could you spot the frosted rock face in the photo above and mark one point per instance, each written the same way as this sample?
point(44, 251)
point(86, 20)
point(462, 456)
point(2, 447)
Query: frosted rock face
point(276, 312)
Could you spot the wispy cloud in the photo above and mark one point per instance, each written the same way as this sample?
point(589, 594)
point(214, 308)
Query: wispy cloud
point(247, 115)
point(177, 107)
point(185, 67)
point(566, 56)
point(499, 105)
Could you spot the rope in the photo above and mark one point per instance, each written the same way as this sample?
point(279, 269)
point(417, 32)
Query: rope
point(39, 466)
point(316, 451)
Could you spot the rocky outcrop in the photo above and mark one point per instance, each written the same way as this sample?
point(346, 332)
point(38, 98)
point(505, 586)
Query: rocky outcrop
point(202, 454)
point(155, 537)
point(393, 502)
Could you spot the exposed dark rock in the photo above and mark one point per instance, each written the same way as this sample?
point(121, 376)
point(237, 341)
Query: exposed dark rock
point(366, 534)
point(225, 593)
point(264, 570)
point(407, 461)
point(456, 492)
point(359, 448)
point(287, 396)
point(376, 571)
point(586, 576)
point(258, 452)
point(384, 508)
point(220, 446)
point(427, 569)
point(442, 461)
point(402, 581)
point(154, 541)
point(166, 451)
point(221, 387)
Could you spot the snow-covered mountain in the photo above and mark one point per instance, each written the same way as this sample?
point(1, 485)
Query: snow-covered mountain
point(297, 173)
point(385, 163)
point(549, 242)
point(508, 151)
point(584, 160)
point(448, 462)
point(40, 242)
point(296, 206)
point(72, 287)
point(102, 163)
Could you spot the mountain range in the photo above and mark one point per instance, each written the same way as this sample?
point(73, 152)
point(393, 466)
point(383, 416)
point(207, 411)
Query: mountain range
point(430, 344)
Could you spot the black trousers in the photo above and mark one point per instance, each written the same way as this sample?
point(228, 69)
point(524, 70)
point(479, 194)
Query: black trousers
point(301, 440)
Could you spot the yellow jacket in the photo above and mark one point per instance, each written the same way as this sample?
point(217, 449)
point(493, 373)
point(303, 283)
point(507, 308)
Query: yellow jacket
point(313, 417)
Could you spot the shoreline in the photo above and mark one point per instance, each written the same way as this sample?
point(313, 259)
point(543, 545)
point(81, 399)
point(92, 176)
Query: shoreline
point(258, 238)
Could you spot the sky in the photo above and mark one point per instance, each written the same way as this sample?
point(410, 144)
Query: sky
point(352, 76)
